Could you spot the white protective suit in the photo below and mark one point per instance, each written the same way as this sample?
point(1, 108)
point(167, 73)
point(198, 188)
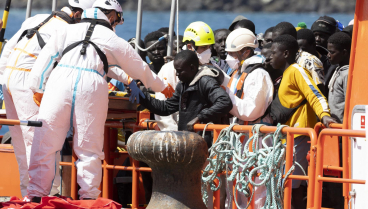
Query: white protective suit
point(77, 95)
point(168, 123)
point(258, 95)
point(16, 62)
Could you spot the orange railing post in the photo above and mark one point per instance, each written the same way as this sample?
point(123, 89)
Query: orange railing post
point(105, 178)
point(74, 186)
point(216, 194)
point(288, 164)
point(319, 179)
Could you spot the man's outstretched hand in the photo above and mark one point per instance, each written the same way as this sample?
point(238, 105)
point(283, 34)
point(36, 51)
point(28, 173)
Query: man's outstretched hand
point(326, 120)
point(191, 124)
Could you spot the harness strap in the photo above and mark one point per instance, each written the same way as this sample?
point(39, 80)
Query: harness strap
point(240, 85)
point(87, 41)
point(30, 32)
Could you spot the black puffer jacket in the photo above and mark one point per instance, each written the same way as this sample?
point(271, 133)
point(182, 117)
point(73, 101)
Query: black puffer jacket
point(202, 98)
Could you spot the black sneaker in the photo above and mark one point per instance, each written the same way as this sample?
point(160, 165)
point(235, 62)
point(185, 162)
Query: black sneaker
point(36, 199)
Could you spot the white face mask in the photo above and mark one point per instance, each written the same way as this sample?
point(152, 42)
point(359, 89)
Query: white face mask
point(205, 56)
point(232, 62)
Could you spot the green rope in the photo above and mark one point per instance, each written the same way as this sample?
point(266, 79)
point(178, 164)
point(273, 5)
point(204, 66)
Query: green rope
point(268, 161)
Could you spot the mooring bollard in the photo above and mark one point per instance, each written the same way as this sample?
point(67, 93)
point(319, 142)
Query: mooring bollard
point(176, 159)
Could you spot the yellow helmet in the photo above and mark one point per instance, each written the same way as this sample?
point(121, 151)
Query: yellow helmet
point(200, 33)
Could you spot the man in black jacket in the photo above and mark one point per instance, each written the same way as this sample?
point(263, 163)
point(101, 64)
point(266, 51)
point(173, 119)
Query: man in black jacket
point(198, 97)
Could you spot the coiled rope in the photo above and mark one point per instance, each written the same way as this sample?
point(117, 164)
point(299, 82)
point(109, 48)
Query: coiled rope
point(268, 160)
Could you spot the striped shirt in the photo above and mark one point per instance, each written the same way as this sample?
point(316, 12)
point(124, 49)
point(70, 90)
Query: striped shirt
point(296, 85)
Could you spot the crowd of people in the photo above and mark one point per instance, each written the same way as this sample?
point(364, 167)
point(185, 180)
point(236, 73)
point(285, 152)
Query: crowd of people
point(54, 70)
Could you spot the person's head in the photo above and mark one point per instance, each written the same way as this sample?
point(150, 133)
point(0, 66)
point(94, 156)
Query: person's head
point(157, 52)
point(199, 37)
point(306, 41)
point(266, 52)
point(283, 51)
point(235, 21)
point(247, 24)
point(268, 35)
point(349, 30)
point(175, 44)
point(323, 28)
point(240, 45)
point(220, 38)
point(165, 31)
point(339, 45)
point(186, 64)
point(77, 8)
point(142, 54)
point(284, 28)
point(112, 9)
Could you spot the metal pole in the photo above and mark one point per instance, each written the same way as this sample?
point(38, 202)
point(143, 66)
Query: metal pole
point(54, 5)
point(171, 28)
point(139, 24)
point(5, 20)
point(29, 8)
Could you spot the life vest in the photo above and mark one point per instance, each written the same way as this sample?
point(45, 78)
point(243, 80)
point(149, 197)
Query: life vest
point(240, 85)
point(29, 33)
point(87, 41)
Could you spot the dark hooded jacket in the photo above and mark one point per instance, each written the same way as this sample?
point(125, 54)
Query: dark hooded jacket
point(202, 98)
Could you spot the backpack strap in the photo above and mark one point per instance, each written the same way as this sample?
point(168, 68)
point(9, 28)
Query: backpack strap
point(87, 41)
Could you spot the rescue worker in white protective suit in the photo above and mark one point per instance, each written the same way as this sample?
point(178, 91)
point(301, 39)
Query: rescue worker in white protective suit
point(76, 95)
point(251, 91)
point(198, 37)
point(16, 62)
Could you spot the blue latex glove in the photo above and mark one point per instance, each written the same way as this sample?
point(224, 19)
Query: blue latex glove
point(135, 92)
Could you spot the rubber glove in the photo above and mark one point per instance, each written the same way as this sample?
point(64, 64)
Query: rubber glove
point(37, 98)
point(135, 92)
point(168, 91)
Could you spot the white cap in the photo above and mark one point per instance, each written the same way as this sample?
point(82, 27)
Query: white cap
point(83, 4)
point(240, 38)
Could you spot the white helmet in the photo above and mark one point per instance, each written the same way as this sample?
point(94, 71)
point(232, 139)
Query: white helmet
point(83, 4)
point(240, 38)
point(111, 5)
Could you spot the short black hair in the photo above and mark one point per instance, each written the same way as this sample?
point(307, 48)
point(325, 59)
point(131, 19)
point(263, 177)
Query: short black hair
point(221, 30)
point(246, 24)
point(269, 30)
point(285, 28)
point(267, 46)
point(287, 42)
point(189, 57)
point(340, 40)
point(153, 36)
point(349, 30)
point(165, 30)
point(307, 35)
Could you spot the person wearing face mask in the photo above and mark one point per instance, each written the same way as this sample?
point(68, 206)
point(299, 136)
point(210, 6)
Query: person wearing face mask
point(250, 86)
point(198, 37)
point(16, 63)
point(76, 95)
point(251, 91)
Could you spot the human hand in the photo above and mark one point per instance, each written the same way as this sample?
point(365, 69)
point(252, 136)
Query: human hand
point(326, 120)
point(191, 124)
point(135, 92)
